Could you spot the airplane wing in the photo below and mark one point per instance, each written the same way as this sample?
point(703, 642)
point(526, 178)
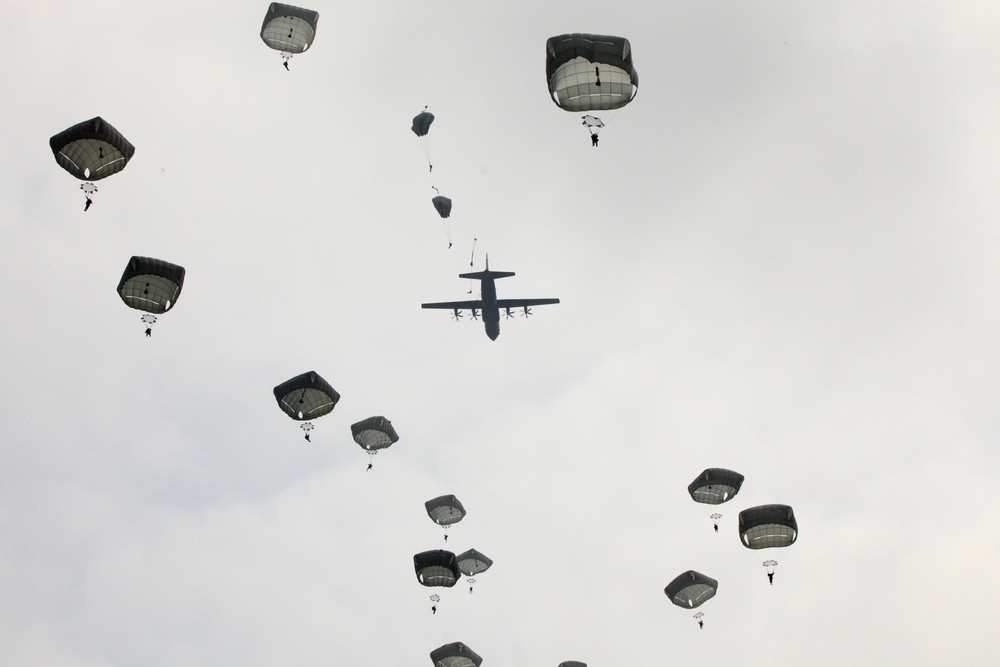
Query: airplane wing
point(455, 305)
point(524, 303)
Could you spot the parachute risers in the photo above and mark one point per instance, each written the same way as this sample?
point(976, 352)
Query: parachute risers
point(289, 29)
point(306, 397)
point(455, 655)
point(152, 286)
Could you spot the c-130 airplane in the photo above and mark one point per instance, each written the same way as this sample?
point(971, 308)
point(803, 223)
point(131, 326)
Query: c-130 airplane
point(489, 304)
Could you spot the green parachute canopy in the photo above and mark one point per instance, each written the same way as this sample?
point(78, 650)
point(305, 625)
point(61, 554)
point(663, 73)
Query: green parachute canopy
point(91, 150)
point(289, 29)
point(471, 563)
point(374, 433)
point(455, 655)
point(422, 123)
point(590, 72)
point(715, 486)
point(768, 526)
point(445, 510)
point(691, 589)
point(151, 285)
point(443, 205)
point(306, 396)
point(436, 568)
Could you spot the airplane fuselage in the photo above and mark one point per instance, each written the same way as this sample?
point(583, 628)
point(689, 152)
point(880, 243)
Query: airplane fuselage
point(491, 312)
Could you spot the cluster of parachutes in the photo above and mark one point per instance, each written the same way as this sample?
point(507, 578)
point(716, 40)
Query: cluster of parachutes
point(308, 396)
point(585, 72)
point(761, 527)
point(440, 567)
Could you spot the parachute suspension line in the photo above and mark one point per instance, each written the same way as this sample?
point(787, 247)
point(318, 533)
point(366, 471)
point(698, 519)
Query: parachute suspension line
point(149, 320)
point(88, 190)
point(472, 259)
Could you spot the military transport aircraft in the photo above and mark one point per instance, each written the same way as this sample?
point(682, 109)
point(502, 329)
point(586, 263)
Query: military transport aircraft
point(490, 305)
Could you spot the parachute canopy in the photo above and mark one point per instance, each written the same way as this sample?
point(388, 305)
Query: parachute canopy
point(445, 510)
point(471, 563)
point(436, 568)
point(443, 205)
point(306, 396)
point(289, 29)
point(691, 589)
point(374, 433)
point(572, 663)
point(590, 72)
point(422, 123)
point(91, 150)
point(768, 526)
point(715, 486)
point(455, 655)
point(151, 285)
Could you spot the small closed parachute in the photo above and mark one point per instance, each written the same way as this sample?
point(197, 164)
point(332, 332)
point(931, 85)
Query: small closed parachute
point(374, 434)
point(289, 29)
point(90, 151)
point(421, 126)
point(422, 123)
point(691, 589)
point(152, 286)
point(442, 205)
point(455, 655)
point(589, 72)
point(445, 511)
point(471, 563)
point(306, 397)
point(768, 526)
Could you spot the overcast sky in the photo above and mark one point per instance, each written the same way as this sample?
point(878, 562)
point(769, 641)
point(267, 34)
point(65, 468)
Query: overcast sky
point(781, 259)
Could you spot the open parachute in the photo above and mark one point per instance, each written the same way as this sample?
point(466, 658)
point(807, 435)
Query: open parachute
point(306, 397)
point(152, 286)
point(374, 434)
point(588, 72)
point(90, 151)
point(444, 511)
point(691, 589)
point(455, 655)
point(289, 29)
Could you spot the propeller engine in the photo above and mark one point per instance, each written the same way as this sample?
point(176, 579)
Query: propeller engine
point(457, 315)
point(527, 312)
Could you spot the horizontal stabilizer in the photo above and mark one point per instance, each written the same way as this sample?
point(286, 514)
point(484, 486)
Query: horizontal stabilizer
point(486, 275)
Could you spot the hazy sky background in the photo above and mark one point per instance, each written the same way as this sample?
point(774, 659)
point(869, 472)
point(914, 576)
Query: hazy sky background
point(782, 259)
